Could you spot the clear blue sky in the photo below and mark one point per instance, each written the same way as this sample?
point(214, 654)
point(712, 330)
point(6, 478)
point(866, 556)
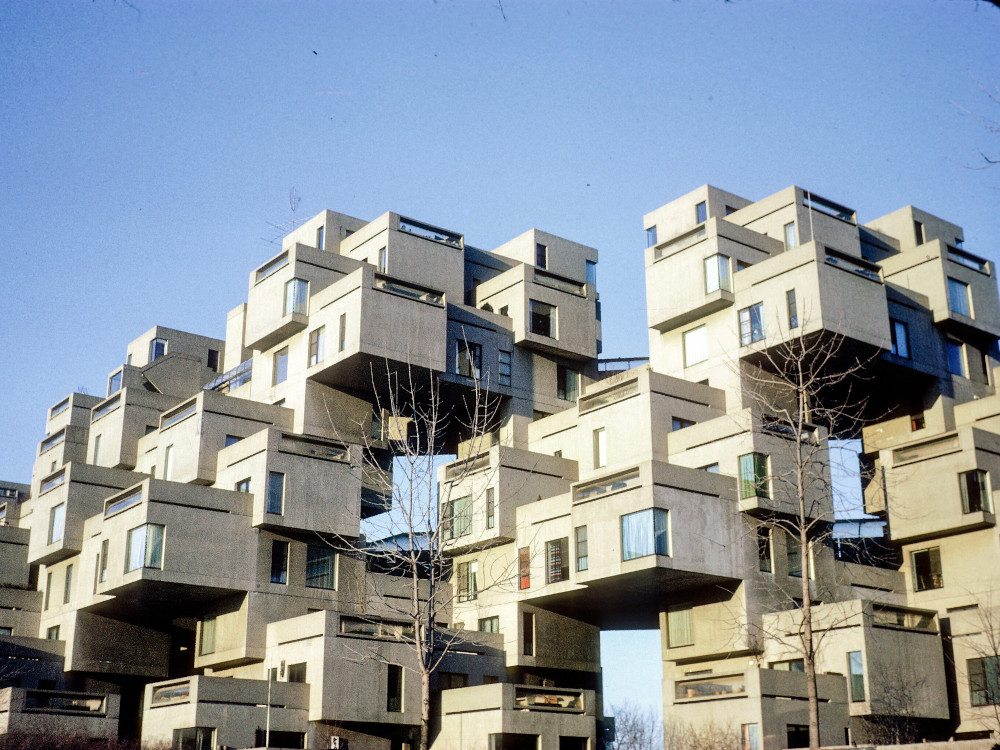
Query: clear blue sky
point(144, 146)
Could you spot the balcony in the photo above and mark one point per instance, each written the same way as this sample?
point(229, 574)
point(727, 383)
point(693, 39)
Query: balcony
point(91, 715)
point(720, 686)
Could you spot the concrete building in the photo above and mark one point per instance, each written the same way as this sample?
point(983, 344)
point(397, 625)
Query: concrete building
point(184, 567)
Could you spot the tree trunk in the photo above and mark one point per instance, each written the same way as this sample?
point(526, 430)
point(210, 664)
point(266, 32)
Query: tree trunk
point(425, 708)
point(808, 651)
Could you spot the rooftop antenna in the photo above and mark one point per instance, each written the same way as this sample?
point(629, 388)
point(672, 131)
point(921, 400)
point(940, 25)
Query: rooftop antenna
point(279, 230)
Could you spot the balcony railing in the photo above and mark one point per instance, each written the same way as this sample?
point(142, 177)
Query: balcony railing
point(272, 265)
point(610, 396)
point(710, 687)
point(466, 467)
point(854, 265)
point(548, 699)
point(233, 379)
point(968, 260)
point(56, 702)
point(178, 692)
point(557, 282)
point(59, 408)
point(829, 208)
point(681, 243)
point(177, 416)
point(406, 290)
point(114, 505)
point(617, 483)
point(314, 448)
point(52, 482)
point(903, 619)
point(430, 233)
point(107, 407)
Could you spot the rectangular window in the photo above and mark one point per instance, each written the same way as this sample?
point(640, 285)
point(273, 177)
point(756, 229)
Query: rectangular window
point(382, 260)
point(320, 236)
point(317, 342)
point(543, 319)
point(97, 451)
point(57, 523)
point(754, 476)
point(567, 383)
point(467, 574)
point(279, 561)
point(457, 517)
point(984, 681)
point(975, 491)
point(342, 335)
point(504, 367)
point(279, 366)
point(489, 624)
point(524, 568)
point(491, 508)
point(752, 324)
point(651, 236)
point(243, 485)
point(48, 591)
point(296, 296)
point(764, 560)
point(791, 236)
point(528, 633)
point(115, 383)
point(679, 423)
point(856, 676)
point(701, 213)
point(717, 274)
point(102, 568)
point(297, 672)
point(52, 634)
point(168, 462)
point(600, 448)
point(144, 548)
point(275, 492)
point(958, 297)
point(582, 561)
point(6, 630)
point(157, 348)
point(918, 232)
point(541, 255)
point(793, 554)
point(232, 440)
point(213, 360)
point(556, 560)
point(900, 339)
point(955, 352)
point(394, 688)
point(68, 584)
point(751, 736)
point(591, 273)
point(468, 359)
point(927, 569)
point(207, 636)
point(680, 626)
point(793, 309)
point(645, 533)
point(695, 346)
point(321, 567)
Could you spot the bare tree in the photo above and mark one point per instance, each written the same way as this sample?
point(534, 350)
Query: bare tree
point(705, 736)
point(636, 728)
point(991, 124)
point(983, 671)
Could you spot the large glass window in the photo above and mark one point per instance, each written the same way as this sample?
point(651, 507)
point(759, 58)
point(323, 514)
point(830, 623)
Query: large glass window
point(279, 371)
point(680, 626)
point(701, 212)
point(975, 491)
point(582, 558)
point(543, 319)
point(651, 236)
point(856, 676)
point(752, 324)
point(504, 367)
point(394, 688)
point(717, 274)
point(157, 348)
point(489, 624)
point(955, 352)
point(958, 298)
point(468, 359)
point(275, 492)
point(57, 522)
point(984, 681)
point(754, 475)
point(541, 255)
point(557, 560)
point(207, 636)
point(296, 296)
point(567, 383)
point(279, 561)
point(317, 342)
point(927, 569)
point(321, 567)
point(467, 574)
point(115, 383)
point(458, 517)
point(900, 338)
point(695, 346)
point(144, 548)
point(791, 236)
point(645, 533)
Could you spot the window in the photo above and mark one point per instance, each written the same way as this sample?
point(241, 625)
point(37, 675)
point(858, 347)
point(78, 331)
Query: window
point(317, 341)
point(468, 359)
point(297, 672)
point(975, 491)
point(321, 567)
point(651, 236)
point(765, 562)
point(157, 348)
point(717, 274)
point(467, 574)
point(48, 590)
point(753, 476)
point(645, 533)
point(793, 554)
point(212, 360)
point(97, 451)
point(491, 508)
point(504, 367)
point(279, 561)
point(342, 335)
point(856, 676)
point(279, 366)
point(751, 737)
point(556, 560)
point(68, 584)
point(791, 236)
point(582, 561)
point(207, 636)
point(198, 738)
point(6, 630)
point(394, 688)
point(528, 633)
point(489, 624)
point(789, 665)
point(57, 523)
point(102, 566)
point(115, 383)
point(168, 462)
point(797, 735)
point(958, 298)
point(918, 232)
point(232, 440)
point(956, 357)
point(382, 260)
point(457, 517)
point(927, 569)
point(917, 421)
point(296, 296)
point(320, 236)
point(680, 626)
point(900, 339)
point(543, 319)
point(275, 492)
point(144, 547)
point(793, 309)
point(524, 568)
point(752, 324)
point(600, 448)
point(567, 383)
point(243, 485)
point(679, 423)
point(591, 273)
point(711, 468)
point(701, 213)
point(695, 346)
point(984, 681)
point(541, 255)
point(52, 634)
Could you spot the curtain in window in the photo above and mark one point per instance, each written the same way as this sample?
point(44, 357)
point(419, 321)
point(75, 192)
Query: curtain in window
point(321, 568)
point(680, 627)
point(644, 533)
point(137, 548)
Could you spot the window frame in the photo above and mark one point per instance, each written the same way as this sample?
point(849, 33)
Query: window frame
point(567, 383)
point(982, 490)
point(541, 256)
point(701, 212)
point(153, 543)
point(600, 448)
point(57, 523)
point(697, 345)
point(543, 319)
point(468, 359)
point(296, 297)
point(279, 562)
point(557, 560)
point(275, 493)
point(655, 538)
point(505, 367)
point(930, 580)
point(960, 298)
point(582, 548)
point(755, 475)
point(897, 327)
point(524, 568)
point(749, 332)
point(317, 343)
point(718, 273)
point(792, 306)
point(680, 622)
point(279, 366)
